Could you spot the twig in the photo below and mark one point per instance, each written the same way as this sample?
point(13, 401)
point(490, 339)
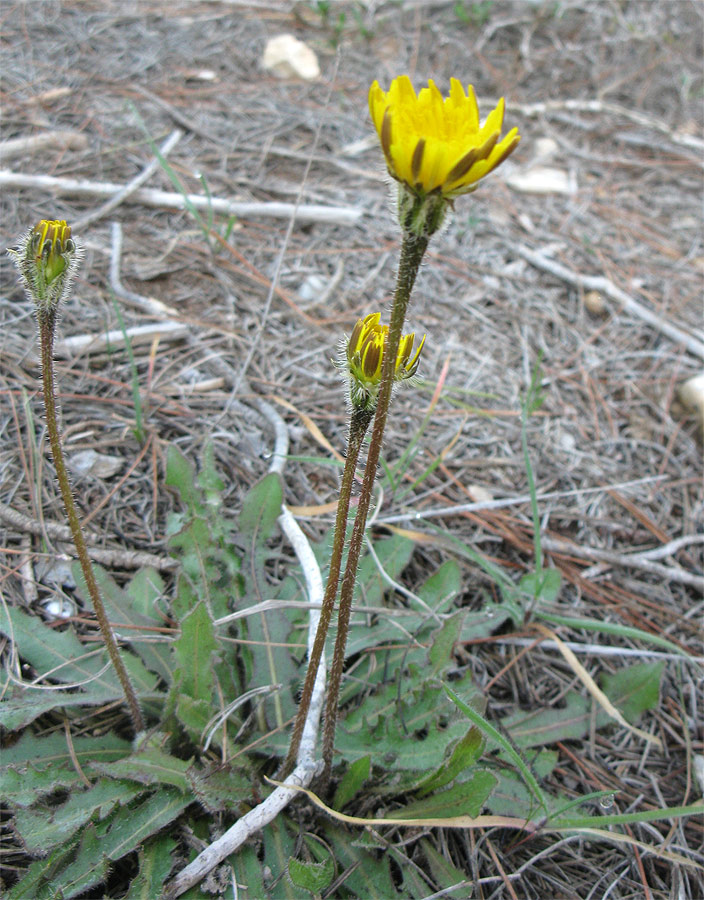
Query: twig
point(306, 767)
point(459, 508)
point(600, 649)
point(333, 215)
point(117, 339)
point(125, 559)
point(148, 304)
point(598, 106)
point(132, 186)
point(629, 560)
point(47, 140)
point(599, 283)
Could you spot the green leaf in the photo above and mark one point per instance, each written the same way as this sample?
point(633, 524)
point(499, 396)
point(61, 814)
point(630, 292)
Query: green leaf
point(220, 788)
point(194, 650)
point(150, 766)
point(547, 726)
point(42, 829)
point(113, 838)
point(394, 553)
point(543, 585)
point(58, 652)
point(506, 745)
point(444, 640)
point(128, 622)
point(180, 474)
point(464, 754)
point(209, 564)
point(313, 876)
point(369, 874)
point(445, 874)
point(35, 766)
point(24, 706)
point(443, 586)
point(352, 781)
point(194, 715)
point(634, 689)
point(631, 690)
point(279, 845)
point(410, 736)
point(155, 864)
point(250, 878)
point(34, 882)
point(260, 510)
point(465, 799)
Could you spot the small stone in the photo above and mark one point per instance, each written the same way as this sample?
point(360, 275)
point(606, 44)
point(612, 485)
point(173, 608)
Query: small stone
point(691, 395)
point(288, 57)
point(60, 608)
point(542, 180)
point(479, 494)
point(312, 287)
point(594, 303)
point(545, 148)
point(99, 465)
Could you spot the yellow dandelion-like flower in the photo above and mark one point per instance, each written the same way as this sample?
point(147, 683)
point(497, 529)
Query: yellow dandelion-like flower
point(434, 143)
point(364, 356)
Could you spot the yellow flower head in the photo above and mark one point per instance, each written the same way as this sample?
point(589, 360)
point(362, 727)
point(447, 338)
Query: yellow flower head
point(364, 356)
point(434, 143)
point(47, 259)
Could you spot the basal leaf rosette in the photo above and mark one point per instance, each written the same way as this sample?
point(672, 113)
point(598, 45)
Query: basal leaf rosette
point(364, 355)
point(435, 146)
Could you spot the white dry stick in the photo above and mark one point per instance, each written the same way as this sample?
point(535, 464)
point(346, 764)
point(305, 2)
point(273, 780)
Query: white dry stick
point(306, 767)
point(642, 561)
point(70, 347)
point(599, 283)
point(47, 140)
point(132, 186)
point(306, 212)
point(148, 304)
point(536, 110)
point(504, 502)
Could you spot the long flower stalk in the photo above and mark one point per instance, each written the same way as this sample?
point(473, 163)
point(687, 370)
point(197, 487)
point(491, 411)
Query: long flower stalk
point(47, 260)
point(359, 424)
point(412, 251)
point(361, 360)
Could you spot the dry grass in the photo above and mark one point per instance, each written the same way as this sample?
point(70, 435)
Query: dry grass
point(619, 457)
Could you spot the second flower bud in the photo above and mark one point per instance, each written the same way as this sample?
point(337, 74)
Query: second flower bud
point(364, 356)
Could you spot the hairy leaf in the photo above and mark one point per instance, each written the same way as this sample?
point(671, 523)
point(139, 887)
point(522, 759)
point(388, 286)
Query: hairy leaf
point(42, 829)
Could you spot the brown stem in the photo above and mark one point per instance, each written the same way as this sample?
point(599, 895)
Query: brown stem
point(46, 340)
point(359, 422)
point(412, 251)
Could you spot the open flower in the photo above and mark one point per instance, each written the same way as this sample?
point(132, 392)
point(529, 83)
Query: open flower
point(47, 259)
point(364, 356)
point(434, 143)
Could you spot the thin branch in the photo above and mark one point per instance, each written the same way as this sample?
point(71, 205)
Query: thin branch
point(124, 559)
point(628, 560)
point(131, 186)
point(599, 283)
point(334, 215)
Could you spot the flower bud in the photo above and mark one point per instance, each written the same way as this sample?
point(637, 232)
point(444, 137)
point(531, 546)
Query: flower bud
point(47, 259)
point(364, 357)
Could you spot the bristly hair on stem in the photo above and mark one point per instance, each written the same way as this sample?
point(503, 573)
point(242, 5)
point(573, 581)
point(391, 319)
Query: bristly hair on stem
point(47, 259)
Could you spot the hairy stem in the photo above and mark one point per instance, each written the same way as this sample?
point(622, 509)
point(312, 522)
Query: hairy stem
point(412, 251)
point(46, 340)
point(359, 422)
